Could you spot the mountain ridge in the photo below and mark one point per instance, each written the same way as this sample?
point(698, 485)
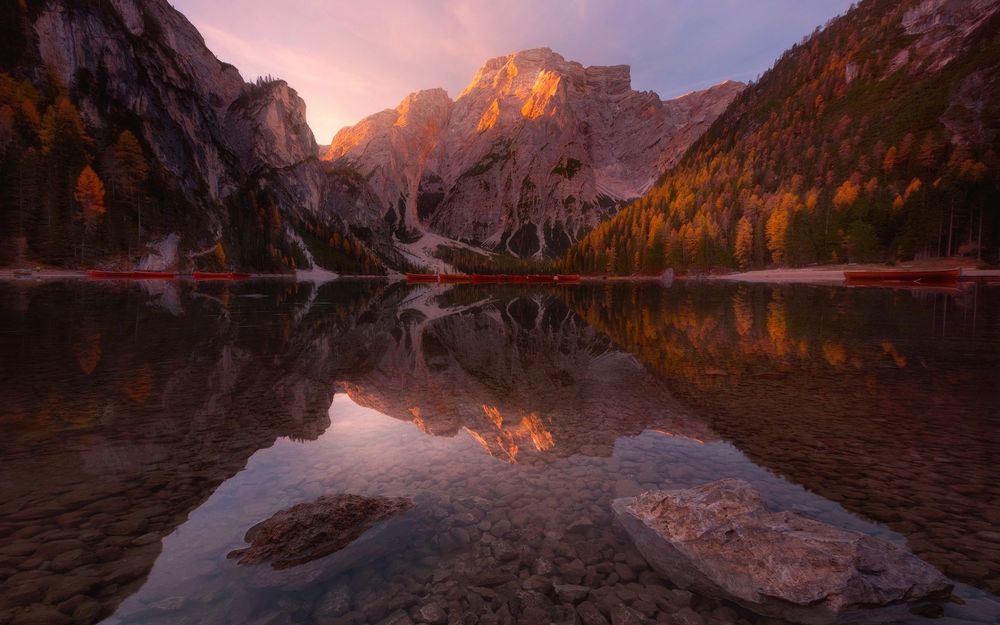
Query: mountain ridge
point(875, 139)
point(498, 166)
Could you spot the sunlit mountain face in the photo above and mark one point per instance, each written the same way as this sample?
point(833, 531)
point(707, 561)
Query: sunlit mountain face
point(149, 428)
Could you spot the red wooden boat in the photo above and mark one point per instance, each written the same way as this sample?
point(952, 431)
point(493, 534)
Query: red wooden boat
point(109, 275)
point(541, 278)
point(219, 275)
point(421, 277)
point(488, 277)
point(568, 277)
point(210, 275)
point(920, 276)
point(455, 277)
point(154, 275)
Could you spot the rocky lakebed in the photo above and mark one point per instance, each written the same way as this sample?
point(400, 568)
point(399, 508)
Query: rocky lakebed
point(278, 455)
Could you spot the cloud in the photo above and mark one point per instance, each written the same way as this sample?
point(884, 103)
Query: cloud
point(349, 59)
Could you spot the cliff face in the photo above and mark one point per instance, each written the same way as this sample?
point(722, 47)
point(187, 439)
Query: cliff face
point(535, 151)
point(142, 66)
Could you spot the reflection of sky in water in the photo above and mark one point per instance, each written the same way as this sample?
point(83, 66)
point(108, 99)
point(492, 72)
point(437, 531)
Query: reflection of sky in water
point(536, 407)
point(368, 453)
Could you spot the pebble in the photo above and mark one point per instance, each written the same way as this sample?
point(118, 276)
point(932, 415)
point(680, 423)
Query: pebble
point(430, 613)
point(572, 593)
point(590, 615)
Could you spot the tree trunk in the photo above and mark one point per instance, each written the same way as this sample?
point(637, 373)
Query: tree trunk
point(951, 227)
point(979, 242)
point(940, 231)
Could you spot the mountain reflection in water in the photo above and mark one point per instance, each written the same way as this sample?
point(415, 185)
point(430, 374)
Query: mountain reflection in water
point(145, 431)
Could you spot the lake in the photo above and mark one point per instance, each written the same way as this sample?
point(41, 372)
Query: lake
point(147, 426)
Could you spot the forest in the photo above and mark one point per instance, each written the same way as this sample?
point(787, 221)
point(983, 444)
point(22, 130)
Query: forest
point(835, 154)
point(72, 198)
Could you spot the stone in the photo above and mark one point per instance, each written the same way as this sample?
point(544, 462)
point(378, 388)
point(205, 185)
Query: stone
point(62, 587)
point(538, 583)
point(572, 593)
point(87, 611)
point(624, 615)
point(398, 617)
point(624, 572)
point(504, 551)
point(590, 615)
point(431, 613)
point(38, 614)
point(307, 531)
point(687, 616)
point(719, 539)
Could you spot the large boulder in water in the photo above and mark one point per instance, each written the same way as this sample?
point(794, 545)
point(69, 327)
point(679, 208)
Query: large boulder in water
point(720, 539)
point(321, 538)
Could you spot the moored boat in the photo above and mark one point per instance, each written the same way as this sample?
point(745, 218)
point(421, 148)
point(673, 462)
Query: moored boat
point(568, 277)
point(488, 277)
point(455, 277)
point(421, 277)
point(154, 275)
point(904, 275)
point(219, 275)
point(109, 275)
point(210, 275)
point(541, 278)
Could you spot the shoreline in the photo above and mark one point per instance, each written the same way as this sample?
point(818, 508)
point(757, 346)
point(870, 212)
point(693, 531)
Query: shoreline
point(829, 275)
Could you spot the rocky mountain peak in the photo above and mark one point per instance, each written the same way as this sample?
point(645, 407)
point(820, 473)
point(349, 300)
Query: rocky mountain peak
point(533, 152)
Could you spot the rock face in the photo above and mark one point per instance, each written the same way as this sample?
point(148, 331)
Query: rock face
point(217, 138)
point(308, 531)
point(720, 538)
point(532, 153)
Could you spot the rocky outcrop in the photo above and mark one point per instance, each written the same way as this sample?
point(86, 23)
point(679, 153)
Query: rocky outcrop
point(720, 539)
point(308, 531)
point(535, 151)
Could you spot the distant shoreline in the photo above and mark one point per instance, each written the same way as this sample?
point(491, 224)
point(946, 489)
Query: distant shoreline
point(826, 275)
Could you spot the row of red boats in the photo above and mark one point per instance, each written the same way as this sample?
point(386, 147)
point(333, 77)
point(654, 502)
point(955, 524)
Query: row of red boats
point(491, 278)
point(166, 275)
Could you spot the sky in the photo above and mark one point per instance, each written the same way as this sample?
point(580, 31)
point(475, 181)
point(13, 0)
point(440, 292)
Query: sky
point(351, 58)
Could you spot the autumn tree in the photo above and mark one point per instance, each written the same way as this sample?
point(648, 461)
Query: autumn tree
point(744, 242)
point(65, 150)
point(89, 195)
point(777, 233)
point(846, 195)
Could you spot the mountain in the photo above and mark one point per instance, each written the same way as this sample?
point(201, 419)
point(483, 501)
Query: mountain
point(192, 159)
point(522, 375)
point(533, 153)
point(876, 138)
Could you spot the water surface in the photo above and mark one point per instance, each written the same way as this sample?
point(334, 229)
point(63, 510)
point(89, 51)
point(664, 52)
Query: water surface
point(146, 427)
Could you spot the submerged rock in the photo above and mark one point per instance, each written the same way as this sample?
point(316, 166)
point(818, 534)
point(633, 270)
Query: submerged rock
point(720, 539)
point(308, 531)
